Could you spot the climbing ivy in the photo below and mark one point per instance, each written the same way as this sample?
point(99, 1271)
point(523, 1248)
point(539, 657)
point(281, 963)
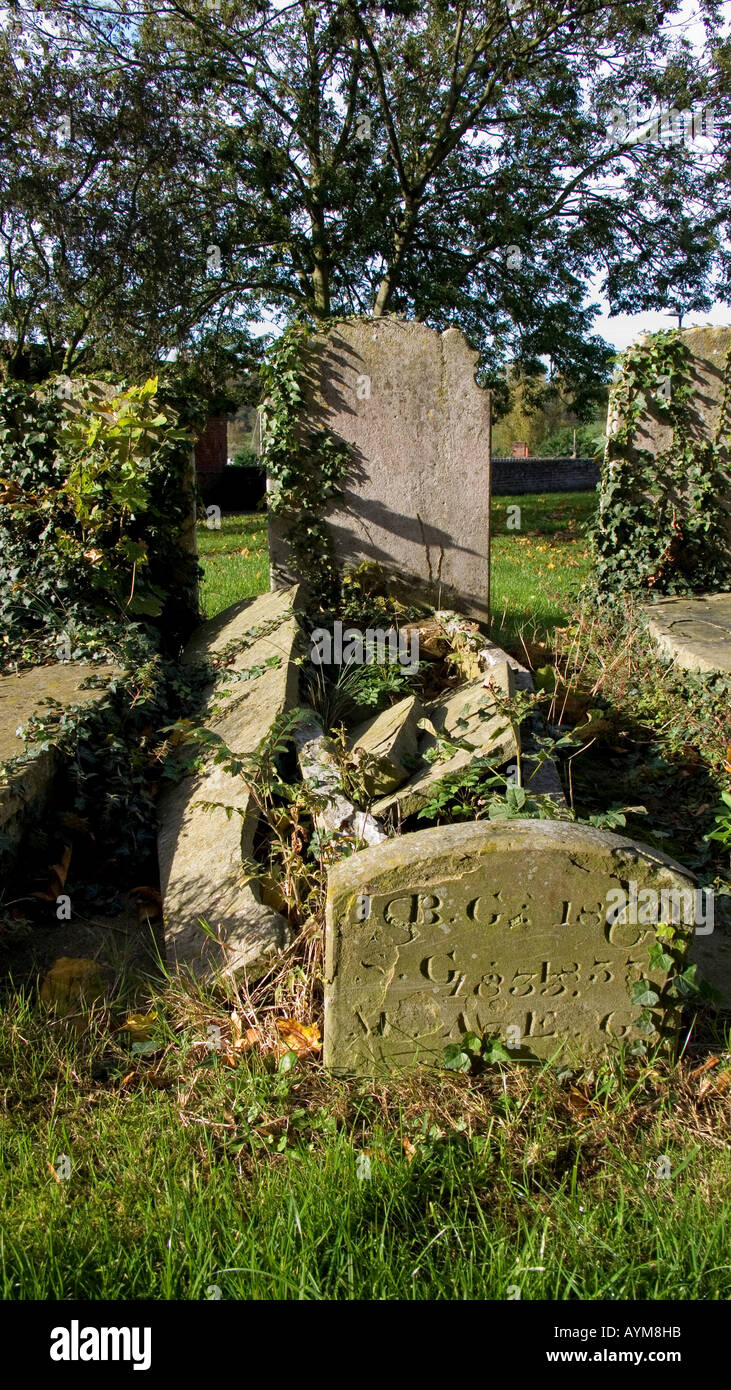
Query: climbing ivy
point(305, 467)
point(661, 519)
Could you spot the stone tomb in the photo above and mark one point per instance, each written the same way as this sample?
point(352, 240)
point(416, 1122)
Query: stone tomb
point(488, 928)
point(416, 501)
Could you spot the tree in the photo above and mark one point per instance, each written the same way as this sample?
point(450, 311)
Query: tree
point(447, 160)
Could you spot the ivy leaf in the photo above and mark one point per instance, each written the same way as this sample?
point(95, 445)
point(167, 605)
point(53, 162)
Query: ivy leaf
point(644, 994)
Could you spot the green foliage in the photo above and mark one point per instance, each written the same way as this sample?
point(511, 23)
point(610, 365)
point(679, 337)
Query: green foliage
point(560, 443)
point(661, 524)
point(246, 457)
point(660, 1004)
point(342, 693)
point(94, 502)
point(306, 467)
point(474, 1053)
point(478, 792)
point(722, 823)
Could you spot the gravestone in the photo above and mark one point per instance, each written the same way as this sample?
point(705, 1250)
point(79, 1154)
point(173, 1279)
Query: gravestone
point(416, 501)
point(513, 930)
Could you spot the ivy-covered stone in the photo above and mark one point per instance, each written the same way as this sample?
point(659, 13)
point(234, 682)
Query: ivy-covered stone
point(664, 524)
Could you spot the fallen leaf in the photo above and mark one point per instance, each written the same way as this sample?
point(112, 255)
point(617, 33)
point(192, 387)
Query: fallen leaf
point(409, 1150)
point(578, 1102)
point(243, 1038)
point(302, 1038)
point(57, 880)
point(149, 903)
point(73, 983)
point(139, 1026)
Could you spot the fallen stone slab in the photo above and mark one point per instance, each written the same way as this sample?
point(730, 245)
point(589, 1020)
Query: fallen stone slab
point(386, 744)
point(203, 874)
point(539, 778)
point(467, 714)
point(26, 786)
point(695, 632)
point(526, 931)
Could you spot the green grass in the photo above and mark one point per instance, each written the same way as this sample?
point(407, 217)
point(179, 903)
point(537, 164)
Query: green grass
point(234, 560)
point(536, 571)
point(186, 1176)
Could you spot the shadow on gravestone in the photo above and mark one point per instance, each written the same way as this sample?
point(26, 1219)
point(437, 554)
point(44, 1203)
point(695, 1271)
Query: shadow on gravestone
point(403, 397)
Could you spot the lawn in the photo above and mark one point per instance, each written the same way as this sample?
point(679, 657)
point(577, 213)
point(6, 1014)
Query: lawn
point(234, 559)
point(189, 1173)
point(536, 571)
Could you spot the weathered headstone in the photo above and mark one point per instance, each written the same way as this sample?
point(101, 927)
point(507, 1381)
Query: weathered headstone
point(202, 852)
point(404, 398)
point(515, 930)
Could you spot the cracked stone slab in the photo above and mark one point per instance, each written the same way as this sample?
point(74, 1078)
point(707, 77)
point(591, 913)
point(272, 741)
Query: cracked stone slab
point(202, 853)
point(404, 398)
point(487, 927)
point(693, 632)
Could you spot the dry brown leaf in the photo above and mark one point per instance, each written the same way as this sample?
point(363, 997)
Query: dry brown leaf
point(73, 983)
point(578, 1102)
point(57, 878)
point(243, 1038)
point(149, 904)
point(409, 1150)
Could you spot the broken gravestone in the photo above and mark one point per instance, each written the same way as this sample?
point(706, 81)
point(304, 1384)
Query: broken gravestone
point(386, 746)
point(403, 397)
point(468, 716)
point(528, 931)
point(202, 853)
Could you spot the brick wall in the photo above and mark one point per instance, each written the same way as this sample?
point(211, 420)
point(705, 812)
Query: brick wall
point(511, 476)
point(210, 455)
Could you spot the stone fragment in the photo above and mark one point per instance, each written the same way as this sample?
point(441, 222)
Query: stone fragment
point(537, 933)
point(467, 714)
point(202, 854)
point(335, 816)
point(385, 744)
point(26, 786)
